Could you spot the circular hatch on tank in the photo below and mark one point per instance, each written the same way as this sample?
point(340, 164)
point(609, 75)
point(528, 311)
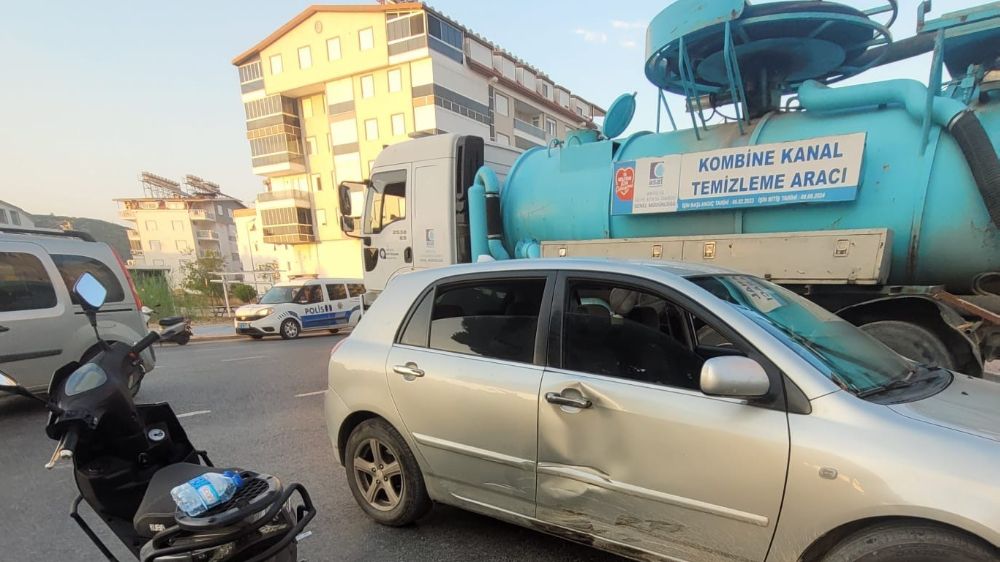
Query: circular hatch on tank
point(619, 116)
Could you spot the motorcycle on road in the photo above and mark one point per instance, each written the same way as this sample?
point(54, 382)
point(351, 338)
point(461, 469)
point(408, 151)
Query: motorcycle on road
point(178, 336)
point(127, 457)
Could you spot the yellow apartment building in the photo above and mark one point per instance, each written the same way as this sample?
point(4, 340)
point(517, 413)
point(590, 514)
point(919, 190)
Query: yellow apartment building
point(328, 90)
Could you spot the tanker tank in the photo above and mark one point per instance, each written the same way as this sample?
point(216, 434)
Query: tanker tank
point(785, 176)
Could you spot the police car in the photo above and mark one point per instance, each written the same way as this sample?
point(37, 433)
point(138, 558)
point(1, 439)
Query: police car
point(287, 309)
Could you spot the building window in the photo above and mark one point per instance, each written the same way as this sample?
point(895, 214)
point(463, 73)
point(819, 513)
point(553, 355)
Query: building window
point(219, 210)
point(3, 216)
point(579, 110)
point(154, 245)
point(307, 107)
point(398, 124)
point(150, 225)
point(395, 80)
point(15, 217)
point(305, 57)
point(181, 245)
point(177, 226)
point(250, 72)
point(276, 66)
point(311, 146)
point(320, 214)
point(371, 129)
point(503, 139)
point(333, 48)
point(550, 126)
point(367, 86)
point(317, 182)
point(545, 91)
point(366, 39)
point(401, 26)
point(445, 33)
point(501, 103)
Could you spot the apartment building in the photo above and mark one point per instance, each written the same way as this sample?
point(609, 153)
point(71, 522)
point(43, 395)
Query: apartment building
point(175, 224)
point(13, 216)
point(328, 90)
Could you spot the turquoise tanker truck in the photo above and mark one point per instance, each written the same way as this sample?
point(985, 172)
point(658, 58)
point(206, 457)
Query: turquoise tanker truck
point(879, 201)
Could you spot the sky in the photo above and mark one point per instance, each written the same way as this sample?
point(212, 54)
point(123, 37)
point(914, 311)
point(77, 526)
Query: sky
point(95, 92)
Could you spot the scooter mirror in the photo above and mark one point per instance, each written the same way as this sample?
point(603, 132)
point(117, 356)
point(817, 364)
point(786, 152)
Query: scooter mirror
point(90, 292)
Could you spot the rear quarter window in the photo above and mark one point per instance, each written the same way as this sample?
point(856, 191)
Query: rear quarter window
point(72, 266)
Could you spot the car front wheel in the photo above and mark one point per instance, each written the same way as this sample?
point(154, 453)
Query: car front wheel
point(384, 476)
point(289, 329)
point(910, 542)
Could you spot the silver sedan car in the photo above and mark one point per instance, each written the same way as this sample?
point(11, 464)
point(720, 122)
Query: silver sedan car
point(661, 411)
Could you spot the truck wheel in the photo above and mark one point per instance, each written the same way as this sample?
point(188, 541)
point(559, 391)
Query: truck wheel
point(910, 542)
point(289, 329)
point(911, 341)
point(384, 476)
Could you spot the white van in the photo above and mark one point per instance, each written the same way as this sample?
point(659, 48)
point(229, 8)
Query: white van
point(290, 308)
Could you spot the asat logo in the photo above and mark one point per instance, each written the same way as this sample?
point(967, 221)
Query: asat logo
point(625, 183)
point(656, 174)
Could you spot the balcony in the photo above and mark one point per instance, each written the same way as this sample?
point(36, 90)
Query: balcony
point(207, 235)
point(289, 234)
point(278, 164)
point(201, 215)
point(295, 197)
point(126, 214)
point(530, 131)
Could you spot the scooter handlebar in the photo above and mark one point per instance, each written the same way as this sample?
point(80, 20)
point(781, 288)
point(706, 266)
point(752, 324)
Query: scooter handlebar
point(66, 446)
point(145, 342)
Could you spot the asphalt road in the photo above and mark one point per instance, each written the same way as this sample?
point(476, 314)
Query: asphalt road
point(247, 412)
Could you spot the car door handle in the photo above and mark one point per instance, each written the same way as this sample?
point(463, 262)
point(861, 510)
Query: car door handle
point(556, 398)
point(409, 370)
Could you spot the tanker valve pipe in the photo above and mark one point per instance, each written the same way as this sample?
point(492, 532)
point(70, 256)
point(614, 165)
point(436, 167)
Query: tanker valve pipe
point(962, 124)
point(485, 228)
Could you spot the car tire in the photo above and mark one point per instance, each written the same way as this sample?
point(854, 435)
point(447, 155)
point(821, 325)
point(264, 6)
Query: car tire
point(910, 542)
point(257, 337)
point(290, 329)
point(399, 496)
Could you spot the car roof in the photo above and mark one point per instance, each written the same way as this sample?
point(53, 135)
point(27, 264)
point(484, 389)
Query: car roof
point(608, 265)
point(58, 242)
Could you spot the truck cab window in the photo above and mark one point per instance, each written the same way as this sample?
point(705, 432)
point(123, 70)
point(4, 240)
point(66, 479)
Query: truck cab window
point(387, 201)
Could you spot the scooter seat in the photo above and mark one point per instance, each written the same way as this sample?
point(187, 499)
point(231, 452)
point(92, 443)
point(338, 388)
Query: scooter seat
point(156, 511)
point(171, 320)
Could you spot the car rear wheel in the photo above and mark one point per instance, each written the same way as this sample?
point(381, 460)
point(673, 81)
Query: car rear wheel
point(910, 542)
point(384, 476)
point(289, 329)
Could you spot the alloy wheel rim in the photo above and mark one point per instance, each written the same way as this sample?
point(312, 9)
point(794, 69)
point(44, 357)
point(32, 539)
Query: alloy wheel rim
point(291, 329)
point(379, 475)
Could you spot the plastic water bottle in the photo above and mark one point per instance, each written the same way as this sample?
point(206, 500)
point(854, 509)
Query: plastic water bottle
point(198, 495)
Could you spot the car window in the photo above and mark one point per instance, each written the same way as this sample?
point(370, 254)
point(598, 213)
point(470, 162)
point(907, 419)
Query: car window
point(336, 292)
point(355, 289)
point(388, 202)
point(418, 326)
point(71, 267)
point(310, 294)
point(495, 319)
point(620, 331)
point(24, 283)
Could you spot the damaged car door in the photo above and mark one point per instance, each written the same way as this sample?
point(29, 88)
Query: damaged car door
point(630, 450)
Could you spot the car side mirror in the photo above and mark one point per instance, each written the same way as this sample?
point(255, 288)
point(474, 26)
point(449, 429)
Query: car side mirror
point(89, 292)
point(735, 377)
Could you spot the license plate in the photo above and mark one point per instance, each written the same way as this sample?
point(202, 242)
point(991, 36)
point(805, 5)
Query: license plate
point(243, 325)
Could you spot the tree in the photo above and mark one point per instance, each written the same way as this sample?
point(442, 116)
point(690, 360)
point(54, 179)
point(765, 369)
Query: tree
point(244, 292)
point(199, 274)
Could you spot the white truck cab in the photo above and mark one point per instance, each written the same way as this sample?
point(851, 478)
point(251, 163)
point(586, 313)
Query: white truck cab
point(415, 213)
point(303, 304)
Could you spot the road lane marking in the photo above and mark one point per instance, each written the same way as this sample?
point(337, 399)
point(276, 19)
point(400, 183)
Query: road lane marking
point(304, 394)
point(194, 413)
point(242, 358)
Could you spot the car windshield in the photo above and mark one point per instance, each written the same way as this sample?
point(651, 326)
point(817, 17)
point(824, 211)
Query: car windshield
point(850, 357)
point(279, 295)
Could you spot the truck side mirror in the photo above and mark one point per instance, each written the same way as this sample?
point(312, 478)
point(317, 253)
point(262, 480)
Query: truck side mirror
point(347, 224)
point(344, 193)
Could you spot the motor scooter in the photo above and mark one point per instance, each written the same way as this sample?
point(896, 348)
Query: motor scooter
point(127, 457)
point(181, 337)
